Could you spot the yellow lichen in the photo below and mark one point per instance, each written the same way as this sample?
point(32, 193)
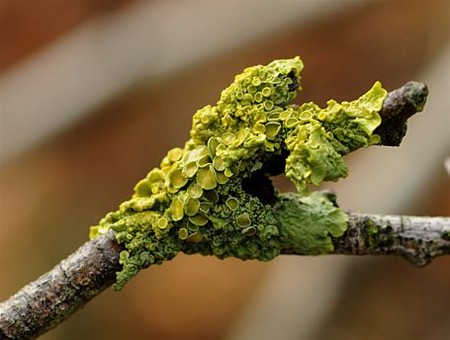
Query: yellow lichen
point(199, 199)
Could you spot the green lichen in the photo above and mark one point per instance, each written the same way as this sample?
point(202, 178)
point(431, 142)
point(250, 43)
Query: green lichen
point(320, 137)
point(308, 223)
point(213, 196)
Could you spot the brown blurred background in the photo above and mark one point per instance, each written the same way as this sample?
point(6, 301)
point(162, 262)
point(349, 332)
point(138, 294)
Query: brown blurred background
point(93, 93)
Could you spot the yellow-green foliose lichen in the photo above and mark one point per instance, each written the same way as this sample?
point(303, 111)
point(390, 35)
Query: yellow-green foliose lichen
point(202, 197)
point(307, 223)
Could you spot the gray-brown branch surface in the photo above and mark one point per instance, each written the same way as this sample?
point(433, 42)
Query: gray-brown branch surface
point(52, 298)
point(55, 296)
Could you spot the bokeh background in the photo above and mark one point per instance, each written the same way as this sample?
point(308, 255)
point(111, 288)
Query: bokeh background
point(94, 92)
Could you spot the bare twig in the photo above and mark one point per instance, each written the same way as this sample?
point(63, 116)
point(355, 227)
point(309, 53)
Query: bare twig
point(55, 296)
point(398, 106)
point(416, 238)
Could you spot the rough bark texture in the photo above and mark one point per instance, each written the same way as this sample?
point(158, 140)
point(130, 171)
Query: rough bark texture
point(55, 296)
point(417, 239)
point(398, 106)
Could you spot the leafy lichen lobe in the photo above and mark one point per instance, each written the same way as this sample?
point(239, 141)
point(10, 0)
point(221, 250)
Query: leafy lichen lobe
point(306, 224)
point(201, 200)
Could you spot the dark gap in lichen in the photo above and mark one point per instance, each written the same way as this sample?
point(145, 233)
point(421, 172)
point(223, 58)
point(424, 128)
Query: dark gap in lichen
point(295, 83)
point(260, 186)
point(276, 164)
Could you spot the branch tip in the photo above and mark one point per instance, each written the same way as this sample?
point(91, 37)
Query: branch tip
point(398, 106)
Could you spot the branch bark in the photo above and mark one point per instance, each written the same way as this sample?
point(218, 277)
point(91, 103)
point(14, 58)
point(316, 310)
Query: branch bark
point(398, 106)
point(52, 298)
point(417, 239)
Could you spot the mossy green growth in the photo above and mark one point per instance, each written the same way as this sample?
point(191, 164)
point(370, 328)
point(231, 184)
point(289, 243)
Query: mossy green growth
point(212, 196)
point(307, 223)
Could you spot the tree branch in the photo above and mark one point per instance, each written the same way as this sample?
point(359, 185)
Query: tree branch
point(44, 303)
point(52, 298)
point(417, 239)
point(398, 106)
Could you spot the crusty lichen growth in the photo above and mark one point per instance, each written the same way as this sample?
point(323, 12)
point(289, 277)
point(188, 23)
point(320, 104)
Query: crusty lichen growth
point(213, 196)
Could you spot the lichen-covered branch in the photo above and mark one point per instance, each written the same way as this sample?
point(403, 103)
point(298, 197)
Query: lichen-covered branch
point(418, 239)
point(214, 195)
point(55, 296)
